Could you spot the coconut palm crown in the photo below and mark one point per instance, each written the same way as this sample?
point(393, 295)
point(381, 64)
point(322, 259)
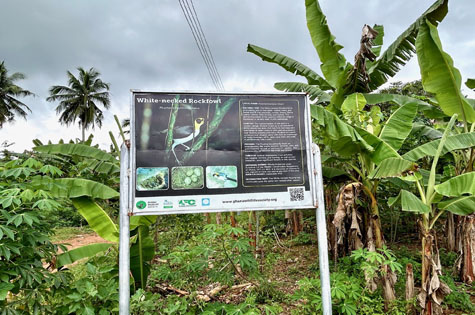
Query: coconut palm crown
point(9, 91)
point(79, 100)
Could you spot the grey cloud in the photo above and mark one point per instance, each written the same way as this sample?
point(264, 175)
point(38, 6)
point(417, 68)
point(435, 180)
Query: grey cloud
point(148, 44)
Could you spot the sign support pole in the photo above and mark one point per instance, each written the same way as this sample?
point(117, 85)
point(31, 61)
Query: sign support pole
point(124, 237)
point(322, 233)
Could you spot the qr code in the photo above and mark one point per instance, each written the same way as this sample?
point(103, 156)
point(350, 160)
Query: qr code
point(296, 193)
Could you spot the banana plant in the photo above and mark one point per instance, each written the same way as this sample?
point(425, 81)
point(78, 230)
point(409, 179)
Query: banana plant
point(340, 78)
point(339, 89)
point(455, 195)
point(86, 196)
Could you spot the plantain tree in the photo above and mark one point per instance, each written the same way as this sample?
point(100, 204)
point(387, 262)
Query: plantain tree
point(452, 191)
point(440, 77)
point(335, 90)
point(349, 122)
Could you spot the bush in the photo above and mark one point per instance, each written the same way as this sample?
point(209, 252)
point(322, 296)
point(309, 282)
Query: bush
point(26, 250)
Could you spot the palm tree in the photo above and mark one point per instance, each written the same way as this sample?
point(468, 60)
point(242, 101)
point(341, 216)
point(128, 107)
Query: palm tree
point(78, 100)
point(9, 105)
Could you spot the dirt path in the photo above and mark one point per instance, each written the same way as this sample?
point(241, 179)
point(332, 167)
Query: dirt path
point(82, 239)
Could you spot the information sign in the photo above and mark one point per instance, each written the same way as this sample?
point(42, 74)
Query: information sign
point(211, 152)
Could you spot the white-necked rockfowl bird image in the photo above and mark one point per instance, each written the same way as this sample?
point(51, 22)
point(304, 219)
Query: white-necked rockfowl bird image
point(223, 177)
point(190, 135)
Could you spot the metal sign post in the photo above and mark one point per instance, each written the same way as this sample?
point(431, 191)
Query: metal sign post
point(322, 233)
point(124, 237)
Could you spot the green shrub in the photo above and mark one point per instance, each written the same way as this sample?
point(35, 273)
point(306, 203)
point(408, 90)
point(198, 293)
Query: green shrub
point(458, 299)
point(25, 247)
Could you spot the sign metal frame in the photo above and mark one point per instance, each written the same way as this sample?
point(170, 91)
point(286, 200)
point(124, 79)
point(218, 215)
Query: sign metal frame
point(127, 193)
point(306, 145)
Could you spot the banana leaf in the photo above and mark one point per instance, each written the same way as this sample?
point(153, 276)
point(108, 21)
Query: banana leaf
point(313, 92)
point(76, 150)
point(391, 167)
point(378, 41)
point(401, 50)
point(141, 253)
point(422, 130)
point(138, 220)
point(97, 218)
point(381, 151)
point(457, 186)
point(353, 103)
point(439, 76)
point(79, 253)
point(334, 64)
point(340, 136)
point(464, 205)
point(332, 172)
point(427, 109)
point(290, 65)
point(457, 142)
point(399, 126)
point(409, 202)
point(79, 187)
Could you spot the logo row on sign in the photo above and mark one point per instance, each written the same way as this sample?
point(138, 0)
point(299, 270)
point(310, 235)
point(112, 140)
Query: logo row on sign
point(167, 204)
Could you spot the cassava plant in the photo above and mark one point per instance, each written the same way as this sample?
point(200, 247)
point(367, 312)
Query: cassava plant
point(26, 252)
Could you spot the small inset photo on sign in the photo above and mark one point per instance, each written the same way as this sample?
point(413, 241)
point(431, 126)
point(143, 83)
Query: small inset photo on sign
point(152, 178)
point(187, 177)
point(221, 176)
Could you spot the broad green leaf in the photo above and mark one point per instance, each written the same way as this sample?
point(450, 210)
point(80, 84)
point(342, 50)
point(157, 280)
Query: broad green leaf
point(439, 76)
point(417, 176)
point(72, 149)
point(425, 131)
point(290, 65)
point(391, 167)
point(78, 187)
point(333, 63)
point(141, 253)
point(76, 254)
point(332, 172)
point(470, 83)
point(313, 92)
point(97, 218)
point(342, 138)
point(399, 126)
point(464, 205)
point(433, 170)
point(378, 41)
point(457, 142)
point(353, 104)
point(138, 220)
point(401, 50)
point(381, 151)
point(458, 185)
point(429, 110)
point(410, 202)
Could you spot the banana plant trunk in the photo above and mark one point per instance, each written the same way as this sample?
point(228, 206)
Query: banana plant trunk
point(467, 265)
point(433, 290)
point(451, 233)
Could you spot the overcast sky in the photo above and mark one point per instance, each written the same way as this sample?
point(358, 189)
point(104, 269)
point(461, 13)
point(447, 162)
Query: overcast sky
point(148, 45)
